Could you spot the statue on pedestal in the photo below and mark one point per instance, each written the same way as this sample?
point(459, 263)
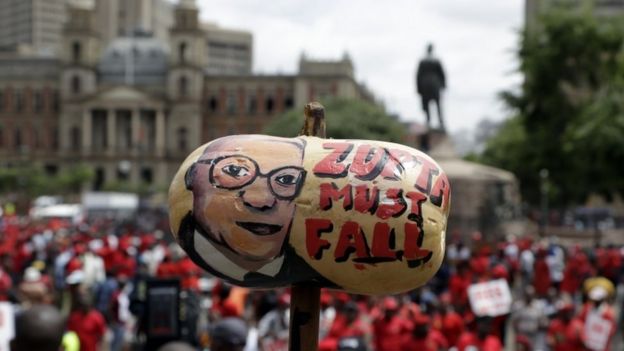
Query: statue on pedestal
point(430, 80)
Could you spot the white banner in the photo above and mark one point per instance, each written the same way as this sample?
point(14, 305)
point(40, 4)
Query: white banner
point(7, 325)
point(491, 298)
point(597, 332)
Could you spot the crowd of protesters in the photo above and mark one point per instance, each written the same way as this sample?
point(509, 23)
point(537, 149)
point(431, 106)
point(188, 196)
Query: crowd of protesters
point(94, 275)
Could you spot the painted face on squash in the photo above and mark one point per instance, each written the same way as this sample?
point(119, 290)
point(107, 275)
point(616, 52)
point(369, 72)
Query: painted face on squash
point(243, 196)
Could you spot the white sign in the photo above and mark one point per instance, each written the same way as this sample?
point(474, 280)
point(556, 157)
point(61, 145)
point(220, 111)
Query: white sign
point(491, 298)
point(597, 332)
point(7, 325)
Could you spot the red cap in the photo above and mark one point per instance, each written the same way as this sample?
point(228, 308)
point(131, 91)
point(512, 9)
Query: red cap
point(445, 298)
point(326, 299)
point(342, 297)
point(421, 319)
point(390, 303)
point(499, 271)
point(284, 299)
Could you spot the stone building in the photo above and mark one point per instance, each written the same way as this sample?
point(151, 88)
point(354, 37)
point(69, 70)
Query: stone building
point(133, 108)
point(31, 26)
point(116, 18)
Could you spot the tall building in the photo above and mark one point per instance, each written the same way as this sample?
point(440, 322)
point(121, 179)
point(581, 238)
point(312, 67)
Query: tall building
point(133, 108)
point(228, 51)
point(117, 18)
point(31, 26)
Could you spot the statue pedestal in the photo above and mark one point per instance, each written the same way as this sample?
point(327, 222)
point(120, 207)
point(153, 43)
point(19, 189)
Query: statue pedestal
point(430, 139)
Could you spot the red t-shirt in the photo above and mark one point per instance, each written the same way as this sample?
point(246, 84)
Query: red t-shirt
point(90, 328)
point(452, 327)
point(458, 287)
point(574, 336)
point(341, 329)
point(189, 272)
point(541, 278)
point(556, 335)
point(490, 343)
point(434, 341)
point(390, 334)
point(223, 309)
point(6, 283)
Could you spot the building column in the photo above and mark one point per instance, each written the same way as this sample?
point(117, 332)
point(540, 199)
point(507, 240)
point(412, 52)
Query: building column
point(111, 133)
point(87, 132)
point(160, 133)
point(136, 126)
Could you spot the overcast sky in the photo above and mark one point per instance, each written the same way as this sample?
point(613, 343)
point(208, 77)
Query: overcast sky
point(474, 39)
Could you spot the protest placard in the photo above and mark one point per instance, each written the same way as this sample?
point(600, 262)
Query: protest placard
point(597, 331)
point(7, 325)
point(491, 298)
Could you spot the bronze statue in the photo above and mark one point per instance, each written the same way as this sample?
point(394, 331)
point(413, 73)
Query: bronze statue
point(430, 80)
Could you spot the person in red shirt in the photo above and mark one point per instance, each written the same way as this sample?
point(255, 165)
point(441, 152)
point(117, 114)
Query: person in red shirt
point(390, 329)
point(189, 272)
point(87, 323)
point(346, 324)
point(6, 284)
point(482, 339)
point(458, 284)
point(166, 268)
point(480, 263)
point(541, 274)
point(598, 309)
point(565, 332)
point(451, 323)
point(222, 307)
point(423, 337)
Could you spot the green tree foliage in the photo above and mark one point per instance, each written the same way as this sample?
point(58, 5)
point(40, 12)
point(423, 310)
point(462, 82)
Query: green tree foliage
point(569, 113)
point(345, 119)
point(33, 181)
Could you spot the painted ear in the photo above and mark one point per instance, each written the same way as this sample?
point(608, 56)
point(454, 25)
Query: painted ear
point(189, 177)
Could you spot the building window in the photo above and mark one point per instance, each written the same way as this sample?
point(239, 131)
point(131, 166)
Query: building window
point(183, 86)
point(19, 101)
point(75, 85)
point(231, 103)
point(289, 102)
point(182, 139)
point(74, 138)
point(213, 104)
point(269, 104)
point(38, 102)
point(76, 51)
point(56, 105)
point(17, 142)
point(100, 179)
point(147, 175)
point(252, 104)
point(35, 139)
point(55, 138)
point(51, 169)
point(182, 52)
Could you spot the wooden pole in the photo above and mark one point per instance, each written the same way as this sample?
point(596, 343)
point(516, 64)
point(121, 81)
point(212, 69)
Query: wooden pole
point(305, 302)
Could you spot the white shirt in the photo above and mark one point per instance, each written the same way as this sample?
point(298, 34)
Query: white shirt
point(219, 262)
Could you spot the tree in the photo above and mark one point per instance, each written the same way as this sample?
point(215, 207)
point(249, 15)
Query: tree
point(345, 119)
point(33, 181)
point(568, 115)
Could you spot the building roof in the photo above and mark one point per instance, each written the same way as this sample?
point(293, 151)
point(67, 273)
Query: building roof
point(138, 60)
